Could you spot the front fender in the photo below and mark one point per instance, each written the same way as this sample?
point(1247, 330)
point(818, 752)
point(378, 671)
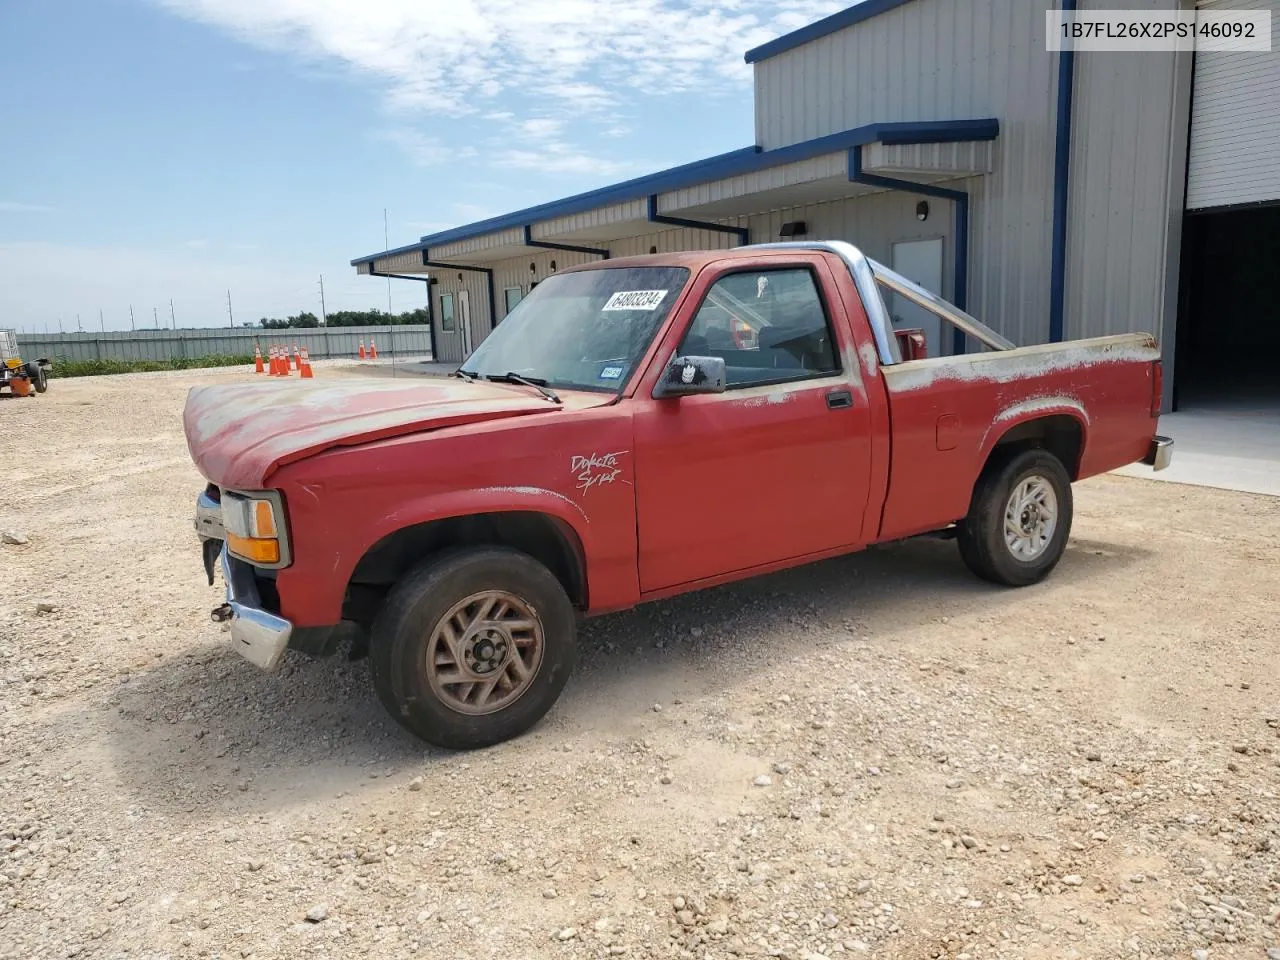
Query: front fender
point(313, 589)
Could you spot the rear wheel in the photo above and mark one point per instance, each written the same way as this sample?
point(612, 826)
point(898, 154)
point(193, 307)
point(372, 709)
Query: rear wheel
point(1019, 519)
point(473, 647)
point(39, 378)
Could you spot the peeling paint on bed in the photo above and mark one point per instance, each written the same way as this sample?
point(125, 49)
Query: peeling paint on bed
point(1028, 409)
point(1007, 366)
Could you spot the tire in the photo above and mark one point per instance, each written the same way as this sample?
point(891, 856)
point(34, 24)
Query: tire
point(39, 378)
point(441, 704)
point(987, 547)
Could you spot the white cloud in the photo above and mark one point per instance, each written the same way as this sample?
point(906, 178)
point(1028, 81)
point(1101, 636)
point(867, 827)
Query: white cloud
point(541, 145)
point(13, 206)
point(457, 58)
point(424, 150)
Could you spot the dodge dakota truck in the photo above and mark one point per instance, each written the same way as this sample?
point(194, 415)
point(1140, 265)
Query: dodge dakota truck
point(634, 429)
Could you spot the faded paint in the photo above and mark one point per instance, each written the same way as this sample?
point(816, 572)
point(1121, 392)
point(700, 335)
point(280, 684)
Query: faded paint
point(870, 358)
point(537, 492)
point(238, 435)
point(1032, 407)
point(1006, 366)
point(873, 472)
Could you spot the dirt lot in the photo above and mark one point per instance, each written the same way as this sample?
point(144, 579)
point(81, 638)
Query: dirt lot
point(876, 755)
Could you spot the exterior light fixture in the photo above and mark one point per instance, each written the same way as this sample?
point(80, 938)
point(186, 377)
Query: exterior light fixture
point(922, 210)
point(794, 228)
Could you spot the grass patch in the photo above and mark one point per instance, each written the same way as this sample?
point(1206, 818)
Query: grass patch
point(62, 367)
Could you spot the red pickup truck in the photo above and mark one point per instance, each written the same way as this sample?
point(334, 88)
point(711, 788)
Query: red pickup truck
point(634, 429)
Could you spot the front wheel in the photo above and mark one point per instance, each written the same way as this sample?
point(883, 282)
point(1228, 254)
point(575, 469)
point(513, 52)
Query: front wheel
point(39, 378)
point(1019, 519)
point(473, 647)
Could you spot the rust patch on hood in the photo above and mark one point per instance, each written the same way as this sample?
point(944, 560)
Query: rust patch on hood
point(238, 434)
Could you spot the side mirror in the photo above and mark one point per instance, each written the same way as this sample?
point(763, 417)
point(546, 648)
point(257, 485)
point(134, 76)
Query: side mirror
point(686, 376)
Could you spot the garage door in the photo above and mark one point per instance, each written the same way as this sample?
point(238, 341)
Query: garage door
point(1235, 120)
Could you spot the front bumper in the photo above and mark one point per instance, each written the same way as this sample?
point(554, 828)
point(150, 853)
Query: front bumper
point(1160, 453)
point(258, 636)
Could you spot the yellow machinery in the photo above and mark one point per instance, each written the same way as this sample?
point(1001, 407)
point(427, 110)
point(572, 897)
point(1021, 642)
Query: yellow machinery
point(24, 377)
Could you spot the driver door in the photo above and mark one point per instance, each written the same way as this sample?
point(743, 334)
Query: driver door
point(778, 466)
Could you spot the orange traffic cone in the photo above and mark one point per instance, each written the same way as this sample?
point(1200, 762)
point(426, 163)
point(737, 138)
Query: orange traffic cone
point(257, 359)
point(362, 354)
point(273, 366)
point(373, 349)
point(304, 362)
point(297, 363)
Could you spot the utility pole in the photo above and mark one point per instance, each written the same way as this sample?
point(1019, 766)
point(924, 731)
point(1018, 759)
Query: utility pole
point(324, 317)
point(155, 315)
point(79, 325)
point(132, 324)
point(386, 245)
point(59, 325)
point(172, 319)
point(231, 319)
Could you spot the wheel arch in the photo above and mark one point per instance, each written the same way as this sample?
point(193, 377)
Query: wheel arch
point(549, 539)
point(1059, 425)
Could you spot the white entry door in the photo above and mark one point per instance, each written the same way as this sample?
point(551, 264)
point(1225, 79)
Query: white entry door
point(464, 321)
point(920, 261)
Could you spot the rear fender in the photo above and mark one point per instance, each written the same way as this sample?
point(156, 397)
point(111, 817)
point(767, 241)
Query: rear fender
point(1029, 411)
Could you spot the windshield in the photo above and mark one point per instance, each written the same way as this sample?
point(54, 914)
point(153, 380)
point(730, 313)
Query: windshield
point(584, 330)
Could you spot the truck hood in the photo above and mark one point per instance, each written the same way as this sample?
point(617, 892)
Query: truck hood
point(239, 434)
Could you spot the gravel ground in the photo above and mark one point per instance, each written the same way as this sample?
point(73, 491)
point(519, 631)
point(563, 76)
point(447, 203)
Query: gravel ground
point(875, 755)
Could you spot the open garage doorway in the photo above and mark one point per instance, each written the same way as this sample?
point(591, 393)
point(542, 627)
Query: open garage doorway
point(1228, 342)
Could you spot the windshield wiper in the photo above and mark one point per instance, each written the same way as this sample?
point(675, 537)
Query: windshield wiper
point(536, 382)
point(464, 374)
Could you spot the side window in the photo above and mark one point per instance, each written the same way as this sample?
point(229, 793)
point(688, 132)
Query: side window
point(446, 312)
point(768, 325)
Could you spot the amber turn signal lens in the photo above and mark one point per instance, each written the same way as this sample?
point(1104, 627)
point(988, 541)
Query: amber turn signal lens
point(254, 549)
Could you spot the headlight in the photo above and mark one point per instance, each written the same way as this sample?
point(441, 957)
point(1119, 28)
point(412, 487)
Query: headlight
point(254, 527)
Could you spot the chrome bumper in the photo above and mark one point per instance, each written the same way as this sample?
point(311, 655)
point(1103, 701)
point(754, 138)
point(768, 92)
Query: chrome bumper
point(1160, 454)
point(258, 636)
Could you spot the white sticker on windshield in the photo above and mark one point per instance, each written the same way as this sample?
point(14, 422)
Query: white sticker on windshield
point(635, 300)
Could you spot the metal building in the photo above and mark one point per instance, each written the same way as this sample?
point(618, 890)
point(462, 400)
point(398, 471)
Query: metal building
point(1053, 195)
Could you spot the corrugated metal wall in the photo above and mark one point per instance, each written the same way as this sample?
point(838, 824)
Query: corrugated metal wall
point(961, 59)
point(1235, 123)
point(1128, 149)
point(321, 342)
point(944, 60)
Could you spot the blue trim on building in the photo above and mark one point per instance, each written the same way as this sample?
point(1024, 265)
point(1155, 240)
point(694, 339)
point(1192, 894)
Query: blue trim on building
point(743, 233)
point(488, 271)
point(550, 245)
point(960, 198)
point(837, 21)
point(431, 323)
point(737, 163)
point(1061, 175)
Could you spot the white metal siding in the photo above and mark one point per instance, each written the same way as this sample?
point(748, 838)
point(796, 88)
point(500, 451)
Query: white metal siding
point(597, 220)
point(1125, 128)
point(929, 158)
point(1235, 120)
point(804, 171)
point(945, 60)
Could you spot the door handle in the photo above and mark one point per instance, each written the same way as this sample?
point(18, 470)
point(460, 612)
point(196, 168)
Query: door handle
point(839, 399)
